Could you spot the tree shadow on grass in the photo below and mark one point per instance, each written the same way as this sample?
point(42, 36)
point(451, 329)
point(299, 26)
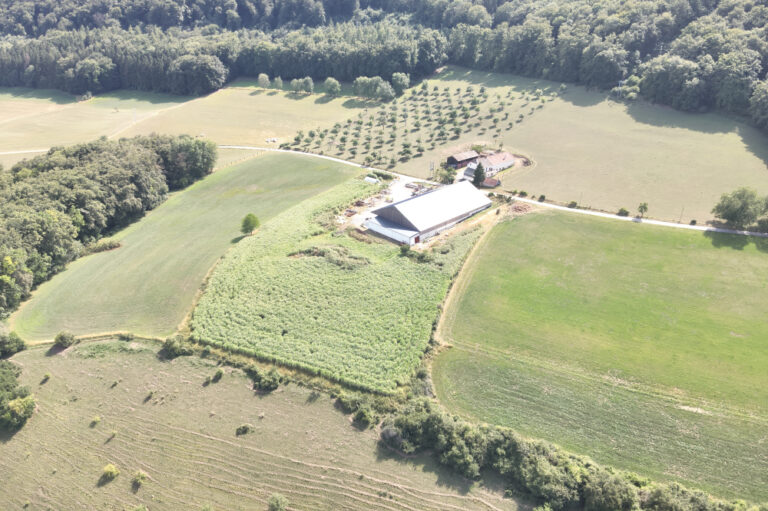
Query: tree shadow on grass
point(7, 435)
point(755, 141)
point(426, 463)
point(360, 103)
point(237, 239)
point(736, 241)
point(325, 98)
point(54, 350)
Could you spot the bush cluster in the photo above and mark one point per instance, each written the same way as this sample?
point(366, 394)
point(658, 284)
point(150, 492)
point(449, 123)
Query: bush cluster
point(176, 346)
point(536, 469)
point(264, 381)
point(64, 339)
point(16, 404)
point(10, 343)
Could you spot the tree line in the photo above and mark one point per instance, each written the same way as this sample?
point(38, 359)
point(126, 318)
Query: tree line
point(536, 469)
point(692, 55)
point(56, 204)
point(202, 60)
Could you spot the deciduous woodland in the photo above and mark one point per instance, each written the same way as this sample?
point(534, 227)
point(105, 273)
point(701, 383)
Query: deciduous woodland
point(56, 204)
point(692, 55)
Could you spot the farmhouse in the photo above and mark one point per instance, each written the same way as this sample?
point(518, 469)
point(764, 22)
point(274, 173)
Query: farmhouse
point(492, 164)
point(461, 160)
point(418, 218)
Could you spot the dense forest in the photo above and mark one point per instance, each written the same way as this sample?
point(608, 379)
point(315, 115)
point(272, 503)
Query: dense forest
point(694, 55)
point(56, 204)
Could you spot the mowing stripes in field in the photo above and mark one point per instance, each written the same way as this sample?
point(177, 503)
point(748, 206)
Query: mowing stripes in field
point(643, 347)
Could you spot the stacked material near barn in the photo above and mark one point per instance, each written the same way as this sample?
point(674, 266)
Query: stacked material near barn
point(417, 219)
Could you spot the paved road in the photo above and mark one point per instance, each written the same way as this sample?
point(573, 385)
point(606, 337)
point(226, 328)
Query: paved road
point(701, 228)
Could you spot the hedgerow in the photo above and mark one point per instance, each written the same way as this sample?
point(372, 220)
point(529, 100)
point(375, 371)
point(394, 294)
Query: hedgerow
point(305, 296)
point(537, 469)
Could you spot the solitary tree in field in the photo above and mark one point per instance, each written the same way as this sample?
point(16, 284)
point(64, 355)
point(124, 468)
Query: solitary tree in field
point(250, 224)
point(263, 80)
point(479, 176)
point(642, 209)
point(332, 86)
point(741, 207)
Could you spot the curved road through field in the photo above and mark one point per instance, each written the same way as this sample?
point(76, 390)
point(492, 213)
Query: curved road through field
point(610, 216)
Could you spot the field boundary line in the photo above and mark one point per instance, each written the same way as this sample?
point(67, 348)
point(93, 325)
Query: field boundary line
point(611, 216)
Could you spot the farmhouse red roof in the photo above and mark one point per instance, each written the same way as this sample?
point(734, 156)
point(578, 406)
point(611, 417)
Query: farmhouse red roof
point(497, 159)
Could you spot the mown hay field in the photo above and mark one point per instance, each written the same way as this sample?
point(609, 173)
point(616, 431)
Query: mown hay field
point(608, 155)
point(240, 114)
point(321, 300)
point(157, 417)
point(42, 119)
point(643, 347)
point(148, 284)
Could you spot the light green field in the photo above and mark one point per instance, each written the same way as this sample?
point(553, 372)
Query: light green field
point(147, 285)
point(642, 347)
point(183, 438)
point(321, 300)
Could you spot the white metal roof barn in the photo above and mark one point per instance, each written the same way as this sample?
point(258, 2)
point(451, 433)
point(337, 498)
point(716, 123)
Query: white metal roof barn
point(416, 219)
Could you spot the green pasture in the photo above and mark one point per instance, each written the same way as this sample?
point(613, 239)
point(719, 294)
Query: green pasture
point(160, 418)
point(316, 298)
point(148, 285)
point(644, 347)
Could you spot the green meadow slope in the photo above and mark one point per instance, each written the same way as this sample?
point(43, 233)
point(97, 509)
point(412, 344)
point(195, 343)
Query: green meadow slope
point(148, 285)
point(641, 346)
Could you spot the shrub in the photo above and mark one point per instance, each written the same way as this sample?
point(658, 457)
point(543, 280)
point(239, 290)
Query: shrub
point(623, 212)
point(542, 198)
point(102, 246)
point(244, 429)
point(14, 414)
point(127, 337)
point(109, 473)
point(176, 346)
point(364, 416)
point(139, 477)
point(277, 502)
point(10, 343)
point(573, 204)
point(523, 193)
point(405, 250)
point(270, 381)
point(217, 375)
point(64, 339)
point(95, 421)
point(693, 222)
